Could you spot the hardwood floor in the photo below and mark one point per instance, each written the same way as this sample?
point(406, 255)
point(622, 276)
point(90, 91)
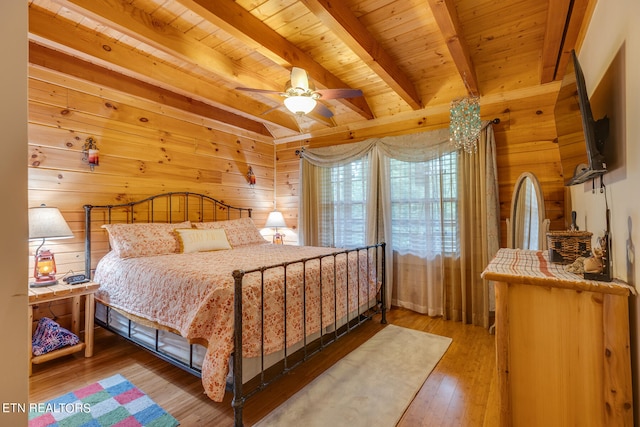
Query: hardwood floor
point(459, 392)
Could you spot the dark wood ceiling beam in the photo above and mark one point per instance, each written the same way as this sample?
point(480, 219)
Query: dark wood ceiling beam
point(338, 18)
point(60, 62)
point(557, 18)
point(237, 21)
point(96, 48)
point(444, 12)
point(564, 23)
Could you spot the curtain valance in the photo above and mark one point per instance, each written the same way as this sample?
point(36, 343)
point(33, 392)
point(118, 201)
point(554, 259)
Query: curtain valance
point(415, 147)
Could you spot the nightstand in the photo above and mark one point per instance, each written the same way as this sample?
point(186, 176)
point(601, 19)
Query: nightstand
point(61, 291)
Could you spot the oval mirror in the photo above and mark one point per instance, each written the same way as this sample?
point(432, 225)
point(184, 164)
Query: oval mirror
point(527, 227)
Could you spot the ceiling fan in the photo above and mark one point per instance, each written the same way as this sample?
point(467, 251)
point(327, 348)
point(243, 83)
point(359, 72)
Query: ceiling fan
point(301, 96)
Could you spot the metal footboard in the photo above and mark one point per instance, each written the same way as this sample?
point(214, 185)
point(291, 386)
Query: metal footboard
point(239, 393)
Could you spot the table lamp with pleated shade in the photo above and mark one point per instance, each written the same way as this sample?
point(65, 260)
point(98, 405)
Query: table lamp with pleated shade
point(275, 220)
point(46, 223)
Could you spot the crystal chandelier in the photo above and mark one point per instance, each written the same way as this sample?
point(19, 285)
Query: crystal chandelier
point(465, 123)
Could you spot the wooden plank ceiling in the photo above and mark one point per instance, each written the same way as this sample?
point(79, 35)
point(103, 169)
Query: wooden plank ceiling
point(407, 56)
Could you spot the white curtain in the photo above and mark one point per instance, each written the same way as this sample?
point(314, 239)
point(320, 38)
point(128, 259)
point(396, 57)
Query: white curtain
point(401, 169)
point(417, 278)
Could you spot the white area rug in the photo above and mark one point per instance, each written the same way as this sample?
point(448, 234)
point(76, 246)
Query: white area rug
point(372, 385)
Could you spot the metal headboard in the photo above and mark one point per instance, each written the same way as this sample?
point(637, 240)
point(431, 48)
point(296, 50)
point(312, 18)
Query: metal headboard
point(166, 208)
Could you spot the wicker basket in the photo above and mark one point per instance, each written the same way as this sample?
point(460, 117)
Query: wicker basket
point(566, 246)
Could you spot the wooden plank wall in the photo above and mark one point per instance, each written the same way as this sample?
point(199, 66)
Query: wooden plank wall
point(145, 148)
point(525, 140)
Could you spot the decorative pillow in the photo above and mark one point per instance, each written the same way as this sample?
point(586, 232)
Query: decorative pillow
point(239, 231)
point(144, 239)
point(50, 336)
point(195, 240)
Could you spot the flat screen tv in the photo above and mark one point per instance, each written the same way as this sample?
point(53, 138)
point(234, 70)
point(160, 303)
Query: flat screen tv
point(581, 139)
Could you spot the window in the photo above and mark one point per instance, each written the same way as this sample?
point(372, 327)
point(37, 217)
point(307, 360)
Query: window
point(344, 199)
point(424, 206)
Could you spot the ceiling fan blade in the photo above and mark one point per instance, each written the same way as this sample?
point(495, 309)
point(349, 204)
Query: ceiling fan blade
point(328, 121)
point(299, 78)
point(322, 109)
point(339, 93)
point(248, 89)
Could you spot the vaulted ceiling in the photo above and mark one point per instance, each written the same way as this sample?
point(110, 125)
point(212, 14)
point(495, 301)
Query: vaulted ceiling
point(408, 57)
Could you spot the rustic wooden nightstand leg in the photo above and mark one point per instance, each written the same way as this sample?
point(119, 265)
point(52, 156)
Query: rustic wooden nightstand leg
point(75, 315)
point(89, 313)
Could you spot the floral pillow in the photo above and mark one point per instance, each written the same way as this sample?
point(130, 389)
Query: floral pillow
point(144, 239)
point(50, 336)
point(195, 240)
point(239, 231)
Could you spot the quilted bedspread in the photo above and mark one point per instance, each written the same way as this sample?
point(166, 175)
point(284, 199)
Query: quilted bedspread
point(193, 294)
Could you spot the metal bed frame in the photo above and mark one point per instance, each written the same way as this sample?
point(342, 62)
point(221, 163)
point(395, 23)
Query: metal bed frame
point(183, 206)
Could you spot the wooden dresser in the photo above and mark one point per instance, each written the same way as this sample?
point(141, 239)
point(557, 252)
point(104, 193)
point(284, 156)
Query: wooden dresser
point(562, 344)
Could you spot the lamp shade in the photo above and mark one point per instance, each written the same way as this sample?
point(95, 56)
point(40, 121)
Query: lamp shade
point(47, 223)
point(275, 220)
point(300, 104)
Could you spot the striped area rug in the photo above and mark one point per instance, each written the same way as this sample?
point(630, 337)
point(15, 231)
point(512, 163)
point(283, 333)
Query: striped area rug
point(113, 401)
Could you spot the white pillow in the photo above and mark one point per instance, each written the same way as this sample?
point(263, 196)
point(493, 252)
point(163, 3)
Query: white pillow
point(241, 231)
point(201, 240)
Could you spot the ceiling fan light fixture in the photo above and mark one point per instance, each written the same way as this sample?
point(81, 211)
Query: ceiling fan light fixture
point(300, 104)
